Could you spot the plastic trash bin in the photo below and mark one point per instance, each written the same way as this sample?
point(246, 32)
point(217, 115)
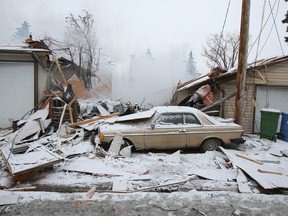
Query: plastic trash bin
point(269, 123)
point(284, 125)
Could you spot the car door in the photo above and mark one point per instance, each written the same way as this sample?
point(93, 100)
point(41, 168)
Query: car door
point(194, 130)
point(167, 132)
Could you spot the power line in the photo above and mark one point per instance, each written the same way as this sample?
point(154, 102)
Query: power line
point(226, 15)
point(276, 26)
point(261, 30)
point(262, 19)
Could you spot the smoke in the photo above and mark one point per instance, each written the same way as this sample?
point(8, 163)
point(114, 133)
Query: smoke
point(149, 79)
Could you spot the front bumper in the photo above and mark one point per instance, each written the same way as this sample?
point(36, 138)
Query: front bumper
point(238, 140)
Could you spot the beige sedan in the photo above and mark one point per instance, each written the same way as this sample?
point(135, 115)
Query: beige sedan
point(172, 127)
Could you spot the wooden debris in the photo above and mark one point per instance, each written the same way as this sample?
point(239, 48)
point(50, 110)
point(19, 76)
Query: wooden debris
point(61, 118)
point(79, 88)
point(247, 158)
point(23, 166)
point(91, 192)
point(60, 70)
point(270, 172)
point(266, 180)
point(92, 120)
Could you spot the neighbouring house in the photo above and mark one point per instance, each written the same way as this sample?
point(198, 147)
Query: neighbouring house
point(23, 73)
point(266, 87)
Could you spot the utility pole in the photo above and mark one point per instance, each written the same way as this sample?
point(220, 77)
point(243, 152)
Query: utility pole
point(242, 61)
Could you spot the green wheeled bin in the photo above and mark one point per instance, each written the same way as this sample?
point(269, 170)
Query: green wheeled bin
point(269, 123)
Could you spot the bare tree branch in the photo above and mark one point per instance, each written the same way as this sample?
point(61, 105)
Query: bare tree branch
point(221, 51)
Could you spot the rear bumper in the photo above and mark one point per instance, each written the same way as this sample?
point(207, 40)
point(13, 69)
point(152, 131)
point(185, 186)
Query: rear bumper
point(238, 140)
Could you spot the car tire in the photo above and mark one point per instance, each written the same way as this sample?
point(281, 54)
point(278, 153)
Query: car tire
point(210, 144)
point(127, 143)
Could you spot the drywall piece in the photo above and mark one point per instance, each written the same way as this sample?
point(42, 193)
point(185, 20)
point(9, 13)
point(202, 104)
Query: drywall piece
point(215, 174)
point(34, 160)
point(116, 144)
point(120, 184)
point(9, 199)
point(126, 152)
point(95, 167)
point(30, 128)
point(80, 148)
point(174, 158)
point(102, 111)
point(242, 182)
point(266, 180)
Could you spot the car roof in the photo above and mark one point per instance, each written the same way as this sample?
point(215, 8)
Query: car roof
point(175, 109)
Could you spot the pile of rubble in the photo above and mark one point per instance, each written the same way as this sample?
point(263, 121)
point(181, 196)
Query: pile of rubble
point(56, 148)
point(68, 160)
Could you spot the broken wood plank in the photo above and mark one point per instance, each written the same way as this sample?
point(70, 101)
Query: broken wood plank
point(61, 118)
point(250, 159)
point(266, 180)
point(24, 165)
point(92, 120)
point(79, 89)
point(218, 102)
point(270, 172)
point(60, 70)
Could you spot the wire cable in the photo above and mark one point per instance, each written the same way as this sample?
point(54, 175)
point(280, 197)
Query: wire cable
point(276, 25)
point(226, 15)
point(261, 30)
point(262, 19)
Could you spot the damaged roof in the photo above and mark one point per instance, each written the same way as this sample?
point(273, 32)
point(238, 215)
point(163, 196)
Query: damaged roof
point(20, 49)
point(205, 79)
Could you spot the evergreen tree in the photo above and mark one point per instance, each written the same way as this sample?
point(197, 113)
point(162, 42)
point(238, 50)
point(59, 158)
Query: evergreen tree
point(286, 21)
point(191, 68)
point(22, 32)
point(149, 55)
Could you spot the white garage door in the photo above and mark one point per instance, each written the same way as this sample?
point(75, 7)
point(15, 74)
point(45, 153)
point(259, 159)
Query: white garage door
point(274, 97)
point(16, 91)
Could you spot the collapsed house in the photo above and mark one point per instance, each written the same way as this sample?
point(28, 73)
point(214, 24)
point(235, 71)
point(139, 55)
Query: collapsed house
point(266, 87)
point(58, 137)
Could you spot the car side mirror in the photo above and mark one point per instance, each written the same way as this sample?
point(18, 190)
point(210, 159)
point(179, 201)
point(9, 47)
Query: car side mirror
point(152, 126)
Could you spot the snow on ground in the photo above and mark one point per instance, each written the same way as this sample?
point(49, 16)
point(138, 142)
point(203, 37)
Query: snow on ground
point(184, 172)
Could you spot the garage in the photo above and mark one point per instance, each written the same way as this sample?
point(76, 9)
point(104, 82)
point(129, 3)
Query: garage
point(274, 97)
point(16, 90)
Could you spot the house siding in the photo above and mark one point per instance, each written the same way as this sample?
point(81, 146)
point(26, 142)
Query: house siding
point(275, 75)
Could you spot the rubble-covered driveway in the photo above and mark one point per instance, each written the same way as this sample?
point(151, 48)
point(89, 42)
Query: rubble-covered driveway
point(156, 183)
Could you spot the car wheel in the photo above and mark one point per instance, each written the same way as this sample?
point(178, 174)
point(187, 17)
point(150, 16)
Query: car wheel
point(210, 145)
point(126, 144)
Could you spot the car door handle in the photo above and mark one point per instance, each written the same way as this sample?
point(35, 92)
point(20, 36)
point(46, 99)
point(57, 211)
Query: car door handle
point(182, 130)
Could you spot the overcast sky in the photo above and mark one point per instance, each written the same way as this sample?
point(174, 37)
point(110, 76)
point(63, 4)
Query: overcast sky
point(126, 27)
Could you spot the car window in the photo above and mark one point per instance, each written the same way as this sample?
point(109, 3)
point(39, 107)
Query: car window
point(170, 119)
point(191, 119)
